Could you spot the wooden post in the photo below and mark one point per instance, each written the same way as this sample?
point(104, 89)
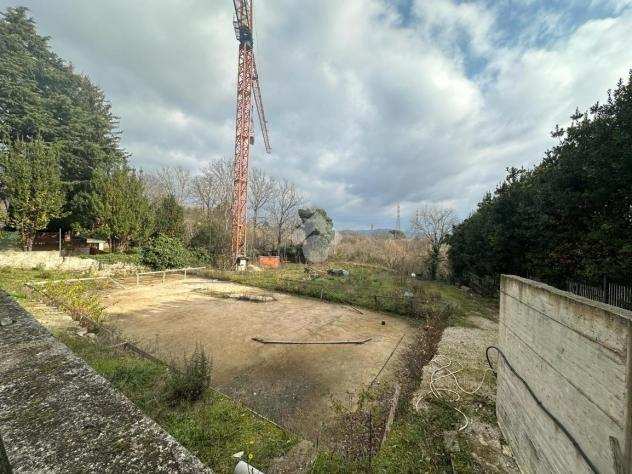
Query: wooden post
point(391, 413)
point(627, 442)
point(164, 274)
point(185, 273)
point(60, 241)
point(137, 279)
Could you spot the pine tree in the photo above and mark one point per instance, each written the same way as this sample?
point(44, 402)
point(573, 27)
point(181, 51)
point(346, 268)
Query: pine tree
point(41, 96)
point(169, 218)
point(123, 213)
point(30, 175)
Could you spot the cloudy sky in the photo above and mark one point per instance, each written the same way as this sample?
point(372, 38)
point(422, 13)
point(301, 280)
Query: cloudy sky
point(369, 102)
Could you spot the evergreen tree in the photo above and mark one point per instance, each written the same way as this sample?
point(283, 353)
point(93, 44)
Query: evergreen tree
point(123, 213)
point(42, 96)
point(169, 218)
point(568, 218)
point(29, 173)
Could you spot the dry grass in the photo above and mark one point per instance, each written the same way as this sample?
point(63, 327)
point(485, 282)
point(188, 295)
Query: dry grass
point(404, 256)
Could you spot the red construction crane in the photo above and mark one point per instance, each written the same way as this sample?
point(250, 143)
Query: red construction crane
point(247, 88)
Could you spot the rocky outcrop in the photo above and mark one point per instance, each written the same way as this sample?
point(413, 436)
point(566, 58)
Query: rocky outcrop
point(319, 234)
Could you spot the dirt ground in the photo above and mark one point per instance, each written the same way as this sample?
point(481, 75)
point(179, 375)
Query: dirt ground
point(292, 384)
point(462, 352)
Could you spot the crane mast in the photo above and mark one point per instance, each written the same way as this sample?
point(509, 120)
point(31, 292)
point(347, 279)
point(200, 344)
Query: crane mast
point(247, 88)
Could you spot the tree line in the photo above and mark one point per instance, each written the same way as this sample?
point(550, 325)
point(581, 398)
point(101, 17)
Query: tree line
point(569, 217)
point(62, 165)
point(206, 199)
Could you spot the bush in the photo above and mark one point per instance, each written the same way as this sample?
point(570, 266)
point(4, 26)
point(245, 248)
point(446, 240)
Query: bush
point(9, 240)
point(190, 383)
point(166, 252)
point(131, 257)
point(212, 236)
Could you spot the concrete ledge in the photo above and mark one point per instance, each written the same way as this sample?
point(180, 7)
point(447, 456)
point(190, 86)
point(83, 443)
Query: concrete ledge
point(571, 297)
point(574, 356)
point(58, 414)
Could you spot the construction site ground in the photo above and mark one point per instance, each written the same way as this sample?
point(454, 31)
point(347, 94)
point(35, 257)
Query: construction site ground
point(459, 373)
point(294, 385)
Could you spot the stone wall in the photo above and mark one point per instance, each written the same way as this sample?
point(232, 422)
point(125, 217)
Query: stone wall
point(574, 354)
point(46, 259)
point(58, 415)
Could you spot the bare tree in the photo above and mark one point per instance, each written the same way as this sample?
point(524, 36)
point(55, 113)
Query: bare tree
point(283, 209)
point(260, 192)
point(172, 180)
point(212, 189)
point(278, 201)
point(153, 189)
point(213, 186)
point(433, 224)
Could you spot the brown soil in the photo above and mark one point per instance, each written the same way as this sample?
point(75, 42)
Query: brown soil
point(292, 384)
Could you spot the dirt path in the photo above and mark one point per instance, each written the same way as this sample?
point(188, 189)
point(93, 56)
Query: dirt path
point(462, 352)
point(292, 384)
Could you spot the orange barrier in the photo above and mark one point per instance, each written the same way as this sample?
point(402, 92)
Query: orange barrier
point(269, 261)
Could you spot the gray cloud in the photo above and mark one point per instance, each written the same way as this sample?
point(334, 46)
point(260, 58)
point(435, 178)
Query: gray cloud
point(366, 108)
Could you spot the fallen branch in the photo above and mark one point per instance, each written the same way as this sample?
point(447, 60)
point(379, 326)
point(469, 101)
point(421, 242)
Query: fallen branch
point(264, 341)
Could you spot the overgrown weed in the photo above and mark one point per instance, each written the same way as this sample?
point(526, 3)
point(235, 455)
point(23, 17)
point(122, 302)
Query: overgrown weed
point(213, 428)
point(79, 299)
point(190, 383)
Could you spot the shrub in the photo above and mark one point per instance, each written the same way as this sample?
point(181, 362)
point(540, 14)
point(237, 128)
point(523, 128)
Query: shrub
point(191, 382)
point(166, 252)
point(131, 257)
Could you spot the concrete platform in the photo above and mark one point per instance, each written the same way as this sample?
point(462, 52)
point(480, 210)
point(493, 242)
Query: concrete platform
point(292, 384)
point(58, 415)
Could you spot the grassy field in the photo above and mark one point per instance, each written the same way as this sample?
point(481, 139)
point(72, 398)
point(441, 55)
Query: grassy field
point(213, 428)
point(415, 444)
point(12, 280)
point(367, 287)
point(132, 257)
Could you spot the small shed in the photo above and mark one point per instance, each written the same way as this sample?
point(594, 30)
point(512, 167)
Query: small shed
point(96, 245)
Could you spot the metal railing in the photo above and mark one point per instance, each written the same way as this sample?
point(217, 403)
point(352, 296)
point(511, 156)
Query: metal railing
point(117, 279)
point(610, 293)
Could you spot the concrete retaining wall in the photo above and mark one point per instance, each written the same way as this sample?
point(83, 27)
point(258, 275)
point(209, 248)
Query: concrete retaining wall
point(50, 260)
point(58, 415)
point(45, 259)
point(575, 355)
